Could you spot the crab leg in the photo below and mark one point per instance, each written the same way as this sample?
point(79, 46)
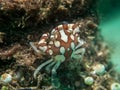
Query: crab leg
point(81, 42)
point(40, 67)
point(58, 60)
point(54, 79)
point(77, 54)
point(78, 51)
point(49, 66)
point(55, 67)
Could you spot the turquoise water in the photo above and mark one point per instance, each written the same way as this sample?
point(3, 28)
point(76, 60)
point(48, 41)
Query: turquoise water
point(110, 27)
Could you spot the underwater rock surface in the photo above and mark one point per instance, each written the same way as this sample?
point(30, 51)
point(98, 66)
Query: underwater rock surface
point(25, 21)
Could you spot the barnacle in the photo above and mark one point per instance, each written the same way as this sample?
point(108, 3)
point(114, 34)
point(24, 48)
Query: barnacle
point(61, 44)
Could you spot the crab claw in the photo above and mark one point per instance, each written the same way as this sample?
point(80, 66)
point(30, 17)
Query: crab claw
point(33, 46)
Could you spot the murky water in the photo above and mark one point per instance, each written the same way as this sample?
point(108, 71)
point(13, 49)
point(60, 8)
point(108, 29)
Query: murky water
point(110, 27)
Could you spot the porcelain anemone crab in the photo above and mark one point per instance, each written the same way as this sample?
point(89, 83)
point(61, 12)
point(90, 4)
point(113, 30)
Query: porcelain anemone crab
point(61, 44)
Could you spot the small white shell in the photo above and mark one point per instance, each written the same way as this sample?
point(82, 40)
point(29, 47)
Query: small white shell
point(6, 78)
point(115, 86)
point(88, 80)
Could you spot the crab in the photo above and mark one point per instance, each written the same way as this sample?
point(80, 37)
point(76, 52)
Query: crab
point(61, 44)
